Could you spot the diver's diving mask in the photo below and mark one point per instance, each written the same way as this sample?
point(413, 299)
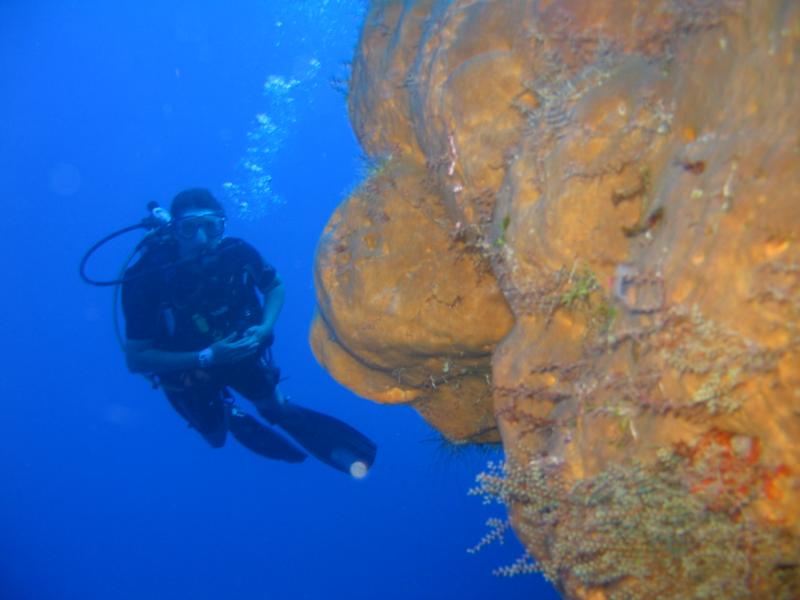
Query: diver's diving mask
point(187, 227)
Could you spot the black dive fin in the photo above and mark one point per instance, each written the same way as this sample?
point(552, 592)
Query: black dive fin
point(262, 440)
point(330, 440)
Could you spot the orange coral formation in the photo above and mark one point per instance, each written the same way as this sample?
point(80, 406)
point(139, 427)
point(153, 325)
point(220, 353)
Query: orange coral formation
point(395, 293)
point(585, 234)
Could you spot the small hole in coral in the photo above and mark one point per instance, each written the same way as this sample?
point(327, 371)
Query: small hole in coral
point(695, 168)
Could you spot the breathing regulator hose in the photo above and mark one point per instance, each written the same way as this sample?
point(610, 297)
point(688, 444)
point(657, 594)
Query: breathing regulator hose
point(153, 223)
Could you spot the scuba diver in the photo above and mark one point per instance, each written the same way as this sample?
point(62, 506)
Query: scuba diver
point(200, 309)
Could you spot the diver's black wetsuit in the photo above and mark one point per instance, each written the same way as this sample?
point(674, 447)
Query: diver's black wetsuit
point(187, 306)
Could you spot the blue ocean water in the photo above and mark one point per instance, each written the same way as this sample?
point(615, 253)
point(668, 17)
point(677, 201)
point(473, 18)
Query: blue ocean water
point(105, 491)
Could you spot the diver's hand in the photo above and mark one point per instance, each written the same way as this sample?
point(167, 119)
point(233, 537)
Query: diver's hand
point(230, 350)
point(259, 332)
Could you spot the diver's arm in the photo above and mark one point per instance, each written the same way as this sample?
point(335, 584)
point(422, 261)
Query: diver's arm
point(142, 356)
point(273, 303)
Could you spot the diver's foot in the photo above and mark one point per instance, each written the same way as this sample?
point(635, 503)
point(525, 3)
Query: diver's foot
point(261, 439)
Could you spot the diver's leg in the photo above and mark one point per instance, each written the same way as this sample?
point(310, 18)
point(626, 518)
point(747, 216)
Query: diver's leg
point(257, 380)
point(272, 405)
point(201, 402)
point(330, 440)
point(250, 378)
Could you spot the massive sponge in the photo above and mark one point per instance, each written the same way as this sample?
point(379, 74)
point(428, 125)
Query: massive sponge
point(583, 236)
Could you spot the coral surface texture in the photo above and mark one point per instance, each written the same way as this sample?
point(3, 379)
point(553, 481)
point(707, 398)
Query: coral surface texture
point(580, 237)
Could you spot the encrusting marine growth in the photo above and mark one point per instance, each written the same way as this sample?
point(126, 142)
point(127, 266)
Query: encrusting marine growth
point(583, 241)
